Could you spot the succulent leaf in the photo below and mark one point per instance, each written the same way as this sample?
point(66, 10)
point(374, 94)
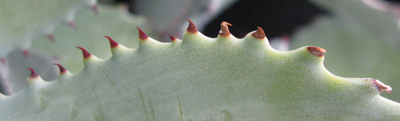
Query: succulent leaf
point(17, 64)
point(201, 78)
point(115, 21)
point(361, 42)
point(22, 21)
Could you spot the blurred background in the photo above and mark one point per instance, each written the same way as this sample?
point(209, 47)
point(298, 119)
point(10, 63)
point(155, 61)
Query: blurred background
point(276, 17)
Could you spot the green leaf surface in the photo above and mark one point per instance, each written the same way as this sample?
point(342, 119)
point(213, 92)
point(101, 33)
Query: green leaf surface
point(201, 78)
point(17, 65)
point(113, 21)
point(23, 20)
point(361, 42)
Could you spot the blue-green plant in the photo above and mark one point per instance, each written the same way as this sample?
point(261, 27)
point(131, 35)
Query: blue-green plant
point(200, 78)
point(362, 42)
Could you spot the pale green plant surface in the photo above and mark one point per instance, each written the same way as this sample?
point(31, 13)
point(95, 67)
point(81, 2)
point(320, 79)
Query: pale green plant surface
point(21, 22)
point(24, 20)
point(198, 78)
point(17, 64)
point(201, 78)
point(114, 21)
point(361, 42)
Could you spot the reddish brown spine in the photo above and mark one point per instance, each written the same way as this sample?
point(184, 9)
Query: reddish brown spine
point(33, 73)
point(95, 9)
point(72, 25)
point(3, 61)
point(142, 35)
point(86, 54)
point(172, 37)
point(259, 33)
point(317, 51)
point(62, 69)
point(51, 37)
point(113, 44)
point(224, 29)
point(191, 28)
point(382, 87)
point(26, 53)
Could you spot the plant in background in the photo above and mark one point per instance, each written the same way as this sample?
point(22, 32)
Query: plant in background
point(362, 42)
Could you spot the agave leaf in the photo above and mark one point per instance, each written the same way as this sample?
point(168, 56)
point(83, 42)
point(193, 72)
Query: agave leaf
point(22, 20)
point(201, 78)
point(362, 42)
point(114, 21)
point(16, 67)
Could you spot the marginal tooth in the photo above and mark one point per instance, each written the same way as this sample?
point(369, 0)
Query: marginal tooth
point(26, 53)
point(49, 32)
point(86, 54)
point(191, 28)
point(92, 4)
point(148, 42)
point(317, 51)
point(381, 86)
point(69, 18)
point(142, 36)
point(87, 57)
point(173, 39)
point(117, 48)
point(33, 74)
point(224, 29)
point(63, 71)
point(259, 33)
point(113, 44)
point(256, 41)
point(192, 38)
point(95, 9)
point(51, 37)
point(72, 25)
point(3, 61)
point(35, 81)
